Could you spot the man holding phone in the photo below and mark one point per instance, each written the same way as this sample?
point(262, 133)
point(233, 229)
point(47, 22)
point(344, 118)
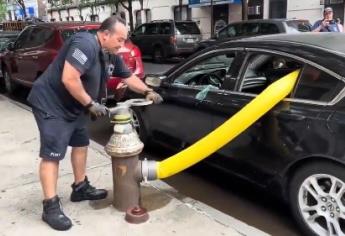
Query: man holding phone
point(328, 23)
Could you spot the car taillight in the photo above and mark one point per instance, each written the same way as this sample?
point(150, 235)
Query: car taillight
point(173, 39)
point(131, 63)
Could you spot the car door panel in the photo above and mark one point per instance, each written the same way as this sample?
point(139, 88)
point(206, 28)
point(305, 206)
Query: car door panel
point(179, 121)
point(288, 132)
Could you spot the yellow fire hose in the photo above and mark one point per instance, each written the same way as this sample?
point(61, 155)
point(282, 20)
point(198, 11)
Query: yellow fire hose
point(239, 122)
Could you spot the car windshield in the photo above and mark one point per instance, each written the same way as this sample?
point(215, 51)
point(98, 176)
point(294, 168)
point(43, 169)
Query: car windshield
point(69, 32)
point(299, 26)
point(187, 28)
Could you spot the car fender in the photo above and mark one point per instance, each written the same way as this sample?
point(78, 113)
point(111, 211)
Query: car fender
point(290, 169)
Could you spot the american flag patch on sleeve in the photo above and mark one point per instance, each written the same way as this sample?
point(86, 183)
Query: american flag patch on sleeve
point(79, 56)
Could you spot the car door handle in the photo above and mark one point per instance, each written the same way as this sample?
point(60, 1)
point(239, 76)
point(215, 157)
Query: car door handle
point(34, 57)
point(20, 58)
point(290, 116)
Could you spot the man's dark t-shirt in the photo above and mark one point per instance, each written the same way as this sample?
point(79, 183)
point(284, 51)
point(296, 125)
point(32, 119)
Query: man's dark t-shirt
point(332, 27)
point(84, 53)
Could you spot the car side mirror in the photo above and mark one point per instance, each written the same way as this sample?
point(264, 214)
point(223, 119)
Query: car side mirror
point(10, 46)
point(154, 80)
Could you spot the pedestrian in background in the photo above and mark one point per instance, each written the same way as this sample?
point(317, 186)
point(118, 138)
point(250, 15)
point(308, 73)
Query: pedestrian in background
point(328, 23)
point(63, 97)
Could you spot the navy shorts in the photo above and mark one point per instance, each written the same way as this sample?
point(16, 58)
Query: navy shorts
point(56, 134)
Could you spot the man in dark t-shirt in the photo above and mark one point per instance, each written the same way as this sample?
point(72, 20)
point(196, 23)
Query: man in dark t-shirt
point(328, 23)
point(62, 98)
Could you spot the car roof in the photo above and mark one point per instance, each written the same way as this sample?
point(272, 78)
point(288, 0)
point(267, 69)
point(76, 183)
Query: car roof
point(326, 41)
point(68, 24)
point(325, 49)
point(273, 20)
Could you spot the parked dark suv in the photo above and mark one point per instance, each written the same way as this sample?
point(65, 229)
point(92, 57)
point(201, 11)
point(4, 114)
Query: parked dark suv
point(249, 28)
point(166, 38)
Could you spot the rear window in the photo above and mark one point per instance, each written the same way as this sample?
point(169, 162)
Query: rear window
point(317, 85)
point(301, 26)
point(69, 32)
point(187, 28)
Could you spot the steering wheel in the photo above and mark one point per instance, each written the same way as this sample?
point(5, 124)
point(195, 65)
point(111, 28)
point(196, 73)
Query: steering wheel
point(211, 79)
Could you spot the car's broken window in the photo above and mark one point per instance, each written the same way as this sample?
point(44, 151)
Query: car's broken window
point(264, 69)
point(211, 71)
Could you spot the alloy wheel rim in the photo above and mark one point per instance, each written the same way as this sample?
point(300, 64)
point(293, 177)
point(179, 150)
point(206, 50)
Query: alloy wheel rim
point(321, 202)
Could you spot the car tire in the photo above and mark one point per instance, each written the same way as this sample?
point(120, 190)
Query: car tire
point(317, 198)
point(10, 86)
point(139, 125)
point(158, 55)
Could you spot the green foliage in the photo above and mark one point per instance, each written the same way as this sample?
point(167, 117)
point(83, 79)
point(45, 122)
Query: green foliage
point(3, 10)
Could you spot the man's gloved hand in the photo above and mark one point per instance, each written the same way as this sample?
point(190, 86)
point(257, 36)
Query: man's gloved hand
point(153, 96)
point(97, 109)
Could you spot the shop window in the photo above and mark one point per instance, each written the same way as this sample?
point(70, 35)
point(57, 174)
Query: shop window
point(138, 18)
point(185, 14)
point(94, 17)
point(148, 15)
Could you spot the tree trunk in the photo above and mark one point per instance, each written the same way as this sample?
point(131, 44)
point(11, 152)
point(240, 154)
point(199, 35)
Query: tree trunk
point(129, 8)
point(130, 12)
point(180, 6)
point(244, 9)
point(22, 6)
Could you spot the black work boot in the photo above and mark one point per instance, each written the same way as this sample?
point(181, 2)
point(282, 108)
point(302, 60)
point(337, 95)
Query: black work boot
point(54, 216)
point(84, 191)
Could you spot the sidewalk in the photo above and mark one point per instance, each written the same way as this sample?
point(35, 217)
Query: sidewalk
point(20, 193)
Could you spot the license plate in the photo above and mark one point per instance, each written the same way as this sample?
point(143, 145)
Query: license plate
point(190, 40)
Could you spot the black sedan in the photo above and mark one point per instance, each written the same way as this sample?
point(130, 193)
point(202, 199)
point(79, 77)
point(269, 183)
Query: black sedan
point(296, 150)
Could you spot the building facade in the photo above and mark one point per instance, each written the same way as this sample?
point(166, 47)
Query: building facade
point(209, 14)
point(33, 9)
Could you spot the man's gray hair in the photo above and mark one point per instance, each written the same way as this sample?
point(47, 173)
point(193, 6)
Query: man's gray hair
point(108, 24)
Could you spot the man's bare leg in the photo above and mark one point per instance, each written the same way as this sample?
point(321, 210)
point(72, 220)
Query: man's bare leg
point(78, 159)
point(49, 171)
point(82, 190)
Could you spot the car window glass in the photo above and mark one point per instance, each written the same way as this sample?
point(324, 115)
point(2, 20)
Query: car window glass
point(298, 25)
point(228, 32)
point(22, 39)
point(317, 85)
point(140, 30)
point(165, 28)
point(249, 29)
point(38, 36)
point(211, 71)
point(187, 28)
point(269, 28)
point(264, 69)
point(151, 29)
point(66, 33)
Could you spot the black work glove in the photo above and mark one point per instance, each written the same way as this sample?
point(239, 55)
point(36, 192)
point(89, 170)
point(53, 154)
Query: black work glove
point(97, 110)
point(153, 96)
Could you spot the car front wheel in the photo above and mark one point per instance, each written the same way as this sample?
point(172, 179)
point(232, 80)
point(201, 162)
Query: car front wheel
point(139, 125)
point(317, 198)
